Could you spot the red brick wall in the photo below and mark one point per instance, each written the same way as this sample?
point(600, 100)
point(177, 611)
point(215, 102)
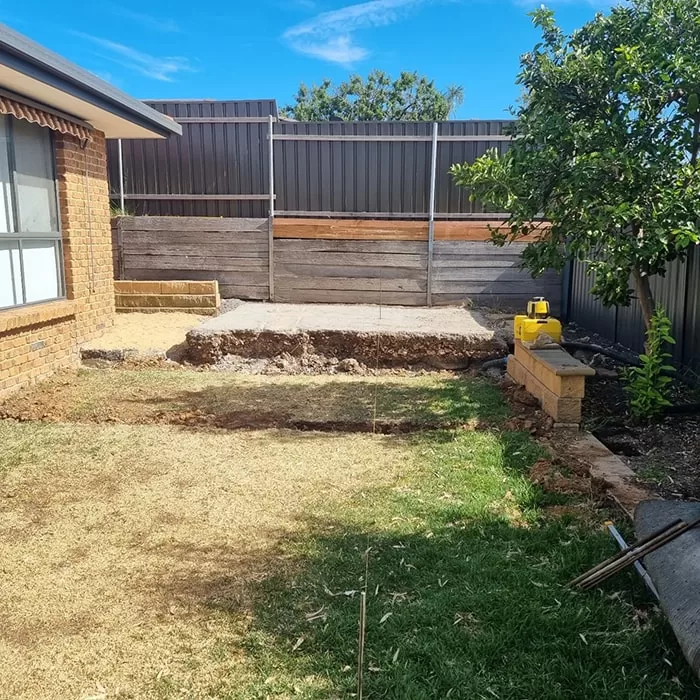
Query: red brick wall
point(36, 340)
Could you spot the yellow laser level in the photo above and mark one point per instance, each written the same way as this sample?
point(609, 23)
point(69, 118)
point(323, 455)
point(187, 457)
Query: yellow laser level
point(536, 321)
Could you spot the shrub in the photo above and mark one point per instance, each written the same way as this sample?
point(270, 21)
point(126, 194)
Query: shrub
point(648, 384)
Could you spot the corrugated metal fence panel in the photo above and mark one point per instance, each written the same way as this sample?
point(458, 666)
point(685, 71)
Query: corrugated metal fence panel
point(209, 158)
point(625, 324)
point(352, 177)
point(348, 177)
point(584, 308)
point(690, 340)
point(451, 199)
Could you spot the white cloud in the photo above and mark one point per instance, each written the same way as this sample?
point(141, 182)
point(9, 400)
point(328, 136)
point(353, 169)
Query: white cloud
point(339, 49)
point(156, 24)
point(159, 68)
point(328, 35)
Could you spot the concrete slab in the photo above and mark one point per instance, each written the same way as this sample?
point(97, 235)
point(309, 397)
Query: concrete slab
point(675, 570)
point(445, 337)
point(360, 318)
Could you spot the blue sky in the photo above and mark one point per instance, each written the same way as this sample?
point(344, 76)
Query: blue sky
point(264, 48)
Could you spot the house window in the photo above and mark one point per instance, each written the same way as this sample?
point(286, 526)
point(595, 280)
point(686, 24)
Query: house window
point(31, 260)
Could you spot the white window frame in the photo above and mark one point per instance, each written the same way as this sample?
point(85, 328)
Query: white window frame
point(21, 237)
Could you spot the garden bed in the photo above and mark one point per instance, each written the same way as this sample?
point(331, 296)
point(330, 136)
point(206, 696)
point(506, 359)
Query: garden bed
point(663, 454)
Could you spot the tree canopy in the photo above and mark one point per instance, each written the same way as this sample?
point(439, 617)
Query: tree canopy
point(410, 97)
point(605, 147)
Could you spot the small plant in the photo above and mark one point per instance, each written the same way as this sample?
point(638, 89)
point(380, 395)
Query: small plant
point(647, 385)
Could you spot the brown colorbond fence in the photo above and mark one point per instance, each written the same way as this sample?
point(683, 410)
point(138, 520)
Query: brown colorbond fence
point(678, 292)
point(222, 154)
point(220, 165)
point(331, 260)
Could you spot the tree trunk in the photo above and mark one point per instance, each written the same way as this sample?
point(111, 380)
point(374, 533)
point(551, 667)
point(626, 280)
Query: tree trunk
point(646, 298)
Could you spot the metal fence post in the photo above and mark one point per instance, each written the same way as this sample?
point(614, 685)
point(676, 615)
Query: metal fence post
point(431, 213)
point(121, 176)
point(271, 214)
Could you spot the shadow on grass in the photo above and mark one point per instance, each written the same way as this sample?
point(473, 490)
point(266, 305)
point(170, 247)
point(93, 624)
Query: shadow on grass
point(467, 597)
point(362, 405)
point(463, 610)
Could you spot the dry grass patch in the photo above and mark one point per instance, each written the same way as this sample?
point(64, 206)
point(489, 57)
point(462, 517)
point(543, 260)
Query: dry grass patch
point(128, 552)
point(228, 400)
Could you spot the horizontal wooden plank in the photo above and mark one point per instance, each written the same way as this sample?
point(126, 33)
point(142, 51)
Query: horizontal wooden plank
point(300, 296)
point(495, 274)
point(365, 259)
point(238, 291)
point(350, 283)
point(182, 262)
point(190, 223)
point(351, 229)
point(313, 270)
point(204, 237)
point(505, 302)
point(445, 248)
point(253, 279)
point(209, 250)
point(470, 261)
point(527, 287)
point(345, 246)
point(471, 231)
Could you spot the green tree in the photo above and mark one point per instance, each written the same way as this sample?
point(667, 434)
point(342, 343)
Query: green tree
point(410, 97)
point(605, 147)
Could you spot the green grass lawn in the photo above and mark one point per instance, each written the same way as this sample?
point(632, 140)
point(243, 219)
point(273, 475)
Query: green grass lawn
point(265, 541)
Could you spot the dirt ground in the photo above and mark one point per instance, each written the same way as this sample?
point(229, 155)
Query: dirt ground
point(127, 550)
point(227, 400)
point(146, 334)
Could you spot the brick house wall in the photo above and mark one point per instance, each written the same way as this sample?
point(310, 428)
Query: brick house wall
point(37, 340)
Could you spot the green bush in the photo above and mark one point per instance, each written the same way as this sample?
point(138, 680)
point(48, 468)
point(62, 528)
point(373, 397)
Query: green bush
point(648, 385)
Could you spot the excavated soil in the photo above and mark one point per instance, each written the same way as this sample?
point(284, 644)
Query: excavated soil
point(371, 349)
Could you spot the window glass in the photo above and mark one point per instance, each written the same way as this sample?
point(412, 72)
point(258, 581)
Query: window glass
point(34, 179)
point(6, 224)
point(41, 279)
point(10, 282)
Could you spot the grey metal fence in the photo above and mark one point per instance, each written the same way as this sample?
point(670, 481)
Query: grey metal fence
point(678, 292)
point(216, 168)
point(220, 165)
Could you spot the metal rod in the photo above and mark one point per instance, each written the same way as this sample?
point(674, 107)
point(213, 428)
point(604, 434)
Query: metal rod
point(222, 120)
point(616, 557)
point(637, 553)
point(271, 213)
point(388, 137)
point(121, 176)
point(637, 565)
point(205, 197)
point(431, 212)
point(388, 215)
